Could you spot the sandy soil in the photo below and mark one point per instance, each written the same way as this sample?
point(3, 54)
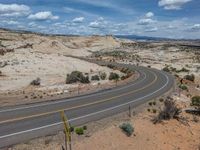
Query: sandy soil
point(106, 134)
point(46, 57)
point(22, 68)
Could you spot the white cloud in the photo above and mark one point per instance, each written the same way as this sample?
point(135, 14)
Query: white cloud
point(172, 4)
point(14, 10)
point(196, 27)
point(171, 27)
point(78, 20)
point(95, 24)
point(100, 19)
point(43, 15)
point(153, 29)
point(98, 23)
point(10, 22)
point(146, 21)
point(149, 15)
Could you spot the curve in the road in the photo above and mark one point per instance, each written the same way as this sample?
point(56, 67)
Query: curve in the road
point(26, 122)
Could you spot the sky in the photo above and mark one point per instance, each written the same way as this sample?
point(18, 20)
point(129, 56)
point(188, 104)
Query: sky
point(156, 18)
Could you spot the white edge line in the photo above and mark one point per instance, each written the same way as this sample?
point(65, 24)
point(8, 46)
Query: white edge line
point(91, 114)
point(71, 99)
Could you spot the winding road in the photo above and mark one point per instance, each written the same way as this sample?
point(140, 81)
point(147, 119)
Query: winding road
point(25, 122)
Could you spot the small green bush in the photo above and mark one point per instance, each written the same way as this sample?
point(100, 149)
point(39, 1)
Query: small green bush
point(182, 70)
point(79, 131)
point(126, 70)
point(161, 99)
point(150, 103)
point(71, 129)
point(110, 66)
point(103, 76)
point(176, 75)
point(77, 76)
point(148, 110)
point(196, 101)
point(127, 128)
point(113, 76)
point(166, 69)
point(154, 111)
point(169, 111)
point(36, 82)
point(95, 77)
point(123, 77)
point(154, 103)
point(84, 127)
point(190, 77)
point(183, 87)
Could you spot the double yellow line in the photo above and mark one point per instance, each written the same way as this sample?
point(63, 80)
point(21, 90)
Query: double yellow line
point(84, 105)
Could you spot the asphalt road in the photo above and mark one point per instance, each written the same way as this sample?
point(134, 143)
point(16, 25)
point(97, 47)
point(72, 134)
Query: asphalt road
point(25, 122)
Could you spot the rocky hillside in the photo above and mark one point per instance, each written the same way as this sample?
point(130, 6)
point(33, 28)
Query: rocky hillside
point(66, 45)
point(25, 56)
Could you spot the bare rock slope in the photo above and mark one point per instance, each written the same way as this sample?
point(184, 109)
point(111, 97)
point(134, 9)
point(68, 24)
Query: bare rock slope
point(26, 56)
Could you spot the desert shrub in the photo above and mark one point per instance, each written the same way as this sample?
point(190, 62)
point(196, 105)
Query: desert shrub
point(169, 111)
point(150, 103)
point(154, 103)
point(176, 75)
point(77, 76)
point(126, 76)
point(148, 110)
point(154, 111)
point(196, 101)
point(190, 77)
point(173, 69)
point(127, 128)
point(79, 131)
point(183, 87)
point(71, 129)
point(0, 73)
point(36, 82)
point(110, 66)
point(113, 76)
point(126, 70)
point(182, 70)
point(103, 76)
point(123, 77)
point(84, 127)
point(95, 77)
point(161, 99)
point(166, 69)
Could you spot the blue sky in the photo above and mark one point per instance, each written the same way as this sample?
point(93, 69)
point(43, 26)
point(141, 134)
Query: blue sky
point(158, 18)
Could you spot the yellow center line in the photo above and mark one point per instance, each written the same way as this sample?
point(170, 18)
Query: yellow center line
point(84, 105)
